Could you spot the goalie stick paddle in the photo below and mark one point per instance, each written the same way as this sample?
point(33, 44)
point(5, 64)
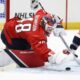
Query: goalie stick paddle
point(75, 55)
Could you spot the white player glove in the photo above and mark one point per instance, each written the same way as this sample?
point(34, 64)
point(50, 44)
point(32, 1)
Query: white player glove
point(59, 30)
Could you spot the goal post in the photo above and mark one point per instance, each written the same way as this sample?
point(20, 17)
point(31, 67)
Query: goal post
point(7, 10)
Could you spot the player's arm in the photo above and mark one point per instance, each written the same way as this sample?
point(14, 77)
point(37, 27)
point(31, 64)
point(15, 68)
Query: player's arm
point(40, 48)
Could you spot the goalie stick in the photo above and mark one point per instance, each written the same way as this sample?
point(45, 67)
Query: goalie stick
point(75, 55)
point(42, 7)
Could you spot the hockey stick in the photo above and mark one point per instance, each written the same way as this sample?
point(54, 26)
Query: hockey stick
point(42, 7)
point(75, 55)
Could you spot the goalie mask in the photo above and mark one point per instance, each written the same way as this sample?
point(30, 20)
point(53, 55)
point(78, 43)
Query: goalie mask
point(47, 23)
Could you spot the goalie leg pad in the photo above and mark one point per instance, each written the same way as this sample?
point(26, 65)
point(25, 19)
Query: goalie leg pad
point(25, 58)
point(5, 59)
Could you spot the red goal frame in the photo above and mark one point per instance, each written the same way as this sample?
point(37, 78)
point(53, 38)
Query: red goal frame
point(7, 10)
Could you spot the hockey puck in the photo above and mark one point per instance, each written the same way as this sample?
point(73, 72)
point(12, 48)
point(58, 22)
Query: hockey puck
point(67, 68)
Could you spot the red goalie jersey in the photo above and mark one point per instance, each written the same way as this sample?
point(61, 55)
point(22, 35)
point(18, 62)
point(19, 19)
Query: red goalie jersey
point(27, 35)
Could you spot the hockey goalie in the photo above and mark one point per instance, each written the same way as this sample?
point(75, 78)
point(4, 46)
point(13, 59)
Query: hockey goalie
point(26, 41)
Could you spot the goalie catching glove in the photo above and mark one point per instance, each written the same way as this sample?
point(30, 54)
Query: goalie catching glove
point(58, 27)
point(59, 30)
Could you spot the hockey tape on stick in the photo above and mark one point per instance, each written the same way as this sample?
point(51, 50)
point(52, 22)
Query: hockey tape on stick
point(75, 56)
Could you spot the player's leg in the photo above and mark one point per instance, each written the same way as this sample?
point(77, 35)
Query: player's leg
point(22, 59)
point(16, 43)
point(5, 59)
point(25, 58)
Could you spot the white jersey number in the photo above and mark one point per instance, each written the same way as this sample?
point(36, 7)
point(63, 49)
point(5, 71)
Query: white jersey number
point(23, 27)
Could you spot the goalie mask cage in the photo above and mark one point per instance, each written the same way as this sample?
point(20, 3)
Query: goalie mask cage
point(22, 8)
